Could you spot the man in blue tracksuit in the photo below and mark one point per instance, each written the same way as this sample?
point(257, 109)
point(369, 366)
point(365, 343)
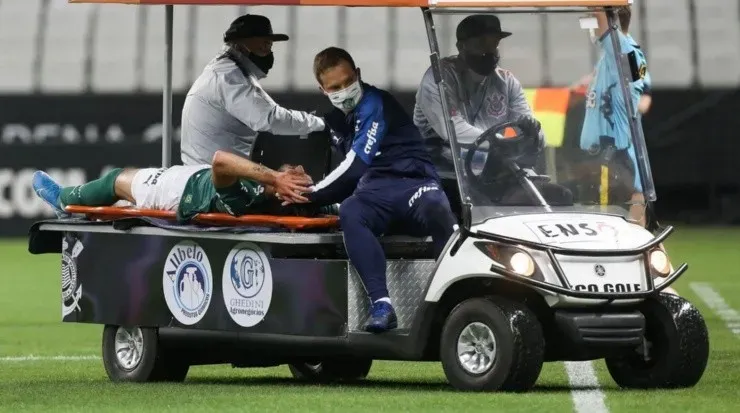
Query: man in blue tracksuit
point(386, 178)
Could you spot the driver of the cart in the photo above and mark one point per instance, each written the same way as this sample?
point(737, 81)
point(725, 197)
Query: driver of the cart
point(232, 185)
point(480, 94)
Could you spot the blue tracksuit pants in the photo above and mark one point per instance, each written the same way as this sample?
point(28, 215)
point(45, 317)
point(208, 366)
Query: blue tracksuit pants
point(418, 207)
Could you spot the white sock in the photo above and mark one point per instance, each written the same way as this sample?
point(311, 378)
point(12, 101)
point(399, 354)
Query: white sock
point(386, 299)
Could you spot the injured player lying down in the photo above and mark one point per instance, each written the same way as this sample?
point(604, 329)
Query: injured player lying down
point(232, 184)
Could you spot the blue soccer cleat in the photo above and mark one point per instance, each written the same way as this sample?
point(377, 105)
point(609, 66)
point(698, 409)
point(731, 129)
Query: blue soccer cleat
point(382, 318)
point(48, 190)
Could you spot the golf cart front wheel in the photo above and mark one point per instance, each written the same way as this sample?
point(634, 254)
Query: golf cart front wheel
point(492, 344)
point(346, 369)
point(676, 347)
point(134, 354)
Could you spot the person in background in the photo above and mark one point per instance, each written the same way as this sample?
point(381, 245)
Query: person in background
point(606, 135)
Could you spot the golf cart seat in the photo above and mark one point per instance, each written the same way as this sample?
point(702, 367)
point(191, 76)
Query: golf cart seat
point(312, 151)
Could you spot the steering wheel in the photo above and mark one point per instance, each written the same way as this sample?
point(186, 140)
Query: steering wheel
point(502, 150)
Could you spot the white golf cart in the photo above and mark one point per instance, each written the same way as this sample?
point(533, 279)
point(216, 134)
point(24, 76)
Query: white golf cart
point(546, 265)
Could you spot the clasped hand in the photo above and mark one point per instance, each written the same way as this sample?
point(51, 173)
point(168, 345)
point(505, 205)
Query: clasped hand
point(290, 183)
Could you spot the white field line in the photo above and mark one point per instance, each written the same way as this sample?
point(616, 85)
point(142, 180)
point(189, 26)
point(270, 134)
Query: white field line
point(714, 300)
point(586, 394)
point(17, 359)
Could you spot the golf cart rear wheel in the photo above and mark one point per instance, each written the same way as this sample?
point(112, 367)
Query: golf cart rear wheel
point(677, 347)
point(134, 354)
point(346, 369)
point(492, 344)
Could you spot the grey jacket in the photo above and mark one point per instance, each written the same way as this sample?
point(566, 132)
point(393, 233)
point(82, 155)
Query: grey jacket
point(476, 103)
point(225, 110)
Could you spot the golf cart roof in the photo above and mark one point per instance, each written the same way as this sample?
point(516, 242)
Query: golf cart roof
point(381, 3)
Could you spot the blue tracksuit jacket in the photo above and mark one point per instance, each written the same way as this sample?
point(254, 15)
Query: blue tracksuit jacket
point(379, 141)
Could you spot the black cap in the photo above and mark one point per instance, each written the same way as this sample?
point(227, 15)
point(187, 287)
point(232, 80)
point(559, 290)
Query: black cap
point(479, 25)
point(252, 25)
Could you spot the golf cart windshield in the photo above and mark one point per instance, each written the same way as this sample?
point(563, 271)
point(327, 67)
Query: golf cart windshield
point(584, 152)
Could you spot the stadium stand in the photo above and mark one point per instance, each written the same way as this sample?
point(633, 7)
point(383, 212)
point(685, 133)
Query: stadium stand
point(65, 45)
point(151, 72)
point(18, 23)
point(575, 53)
point(669, 42)
point(55, 47)
point(315, 29)
point(410, 56)
point(114, 48)
point(718, 33)
point(371, 28)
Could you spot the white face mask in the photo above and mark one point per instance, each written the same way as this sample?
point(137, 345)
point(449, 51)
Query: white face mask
point(347, 98)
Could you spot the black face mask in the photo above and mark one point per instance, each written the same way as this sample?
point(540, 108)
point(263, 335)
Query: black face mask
point(264, 63)
point(482, 64)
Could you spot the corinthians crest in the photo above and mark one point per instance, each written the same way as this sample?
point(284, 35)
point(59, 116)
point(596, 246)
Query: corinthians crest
point(71, 291)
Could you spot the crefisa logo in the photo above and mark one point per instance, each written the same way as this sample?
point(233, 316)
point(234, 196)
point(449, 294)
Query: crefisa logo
point(71, 289)
point(187, 282)
point(247, 284)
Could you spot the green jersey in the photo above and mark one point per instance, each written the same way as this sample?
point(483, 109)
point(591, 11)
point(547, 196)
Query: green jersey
point(201, 196)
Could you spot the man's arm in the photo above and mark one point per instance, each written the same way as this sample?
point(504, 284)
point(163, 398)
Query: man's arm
point(342, 180)
point(430, 103)
point(227, 168)
point(255, 108)
point(603, 23)
point(646, 99)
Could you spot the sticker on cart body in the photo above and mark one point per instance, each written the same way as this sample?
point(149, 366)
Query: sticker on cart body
point(565, 231)
point(71, 288)
point(247, 284)
point(187, 282)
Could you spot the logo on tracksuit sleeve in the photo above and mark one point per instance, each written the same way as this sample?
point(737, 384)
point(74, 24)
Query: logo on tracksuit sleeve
point(371, 137)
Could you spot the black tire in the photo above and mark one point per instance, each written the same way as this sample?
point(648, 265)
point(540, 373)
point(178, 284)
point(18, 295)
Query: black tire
point(680, 347)
point(520, 345)
point(333, 370)
point(155, 364)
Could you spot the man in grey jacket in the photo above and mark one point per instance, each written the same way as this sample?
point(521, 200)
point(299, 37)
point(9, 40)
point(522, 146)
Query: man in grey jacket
point(226, 107)
point(479, 94)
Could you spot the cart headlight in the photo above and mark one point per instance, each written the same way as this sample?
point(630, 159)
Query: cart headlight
point(522, 264)
point(510, 258)
point(659, 262)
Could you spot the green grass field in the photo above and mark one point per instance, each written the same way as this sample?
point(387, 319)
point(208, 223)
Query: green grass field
point(30, 325)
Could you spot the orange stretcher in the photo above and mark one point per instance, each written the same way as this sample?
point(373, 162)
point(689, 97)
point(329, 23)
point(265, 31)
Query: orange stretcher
point(216, 219)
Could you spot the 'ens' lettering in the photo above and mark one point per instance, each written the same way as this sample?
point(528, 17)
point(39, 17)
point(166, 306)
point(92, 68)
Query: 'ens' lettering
point(566, 230)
